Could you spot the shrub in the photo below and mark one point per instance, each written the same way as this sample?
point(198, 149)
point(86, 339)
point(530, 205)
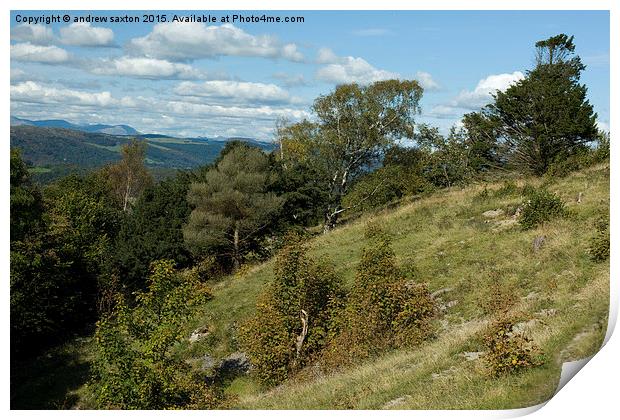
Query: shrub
point(293, 319)
point(383, 309)
point(599, 243)
point(541, 207)
point(496, 297)
point(507, 189)
point(507, 351)
point(134, 367)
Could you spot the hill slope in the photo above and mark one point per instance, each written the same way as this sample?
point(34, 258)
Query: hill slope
point(562, 297)
point(559, 292)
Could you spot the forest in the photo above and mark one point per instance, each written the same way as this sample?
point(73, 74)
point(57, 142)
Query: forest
point(265, 270)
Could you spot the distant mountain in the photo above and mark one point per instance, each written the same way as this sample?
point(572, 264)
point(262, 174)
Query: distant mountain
point(117, 130)
point(56, 151)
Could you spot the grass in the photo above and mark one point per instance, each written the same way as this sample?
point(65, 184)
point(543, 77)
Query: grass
point(451, 245)
point(558, 290)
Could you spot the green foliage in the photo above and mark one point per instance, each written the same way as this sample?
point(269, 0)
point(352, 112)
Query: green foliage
point(153, 230)
point(128, 177)
point(382, 187)
point(354, 125)
point(303, 189)
point(546, 115)
point(541, 206)
point(134, 367)
point(26, 203)
point(509, 351)
point(232, 207)
point(54, 273)
point(384, 310)
point(599, 243)
point(294, 317)
point(449, 157)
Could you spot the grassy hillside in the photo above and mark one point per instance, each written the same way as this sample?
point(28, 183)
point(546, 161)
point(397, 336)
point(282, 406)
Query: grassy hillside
point(560, 296)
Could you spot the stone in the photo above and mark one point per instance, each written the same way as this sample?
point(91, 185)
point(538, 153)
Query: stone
point(396, 402)
point(199, 334)
point(441, 291)
point(235, 363)
point(492, 214)
point(547, 312)
point(472, 355)
point(524, 326)
point(538, 243)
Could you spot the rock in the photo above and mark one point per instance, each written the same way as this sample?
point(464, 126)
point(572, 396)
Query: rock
point(445, 374)
point(447, 305)
point(523, 326)
point(517, 212)
point(199, 334)
point(547, 312)
point(492, 214)
point(396, 402)
point(472, 355)
point(538, 243)
point(531, 296)
point(441, 291)
point(235, 363)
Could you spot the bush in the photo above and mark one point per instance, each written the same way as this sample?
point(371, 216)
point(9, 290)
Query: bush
point(541, 207)
point(599, 244)
point(507, 351)
point(134, 367)
point(384, 310)
point(294, 317)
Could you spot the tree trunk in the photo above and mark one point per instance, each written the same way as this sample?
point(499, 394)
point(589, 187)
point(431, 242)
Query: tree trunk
point(236, 256)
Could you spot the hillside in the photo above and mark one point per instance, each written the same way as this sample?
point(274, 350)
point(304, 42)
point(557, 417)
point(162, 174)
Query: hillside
point(560, 295)
point(56, 151)
point(119, 129)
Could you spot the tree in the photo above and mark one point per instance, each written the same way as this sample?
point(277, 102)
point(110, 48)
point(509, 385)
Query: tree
point(129, 176)
point(153, 230)
point(26, 200)
point(546, 116)
point(231, 206)
point(295, 315)
point(354, 125)
point(55, 269)
point(134, 366)
point(449, 161)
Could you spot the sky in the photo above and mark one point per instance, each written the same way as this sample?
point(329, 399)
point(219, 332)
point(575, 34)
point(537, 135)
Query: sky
point(190, 79)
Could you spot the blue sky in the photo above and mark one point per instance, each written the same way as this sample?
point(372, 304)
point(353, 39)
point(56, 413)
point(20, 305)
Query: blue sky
point(194, 79)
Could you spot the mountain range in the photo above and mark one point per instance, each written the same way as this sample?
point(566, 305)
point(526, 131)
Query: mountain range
point(54, 148)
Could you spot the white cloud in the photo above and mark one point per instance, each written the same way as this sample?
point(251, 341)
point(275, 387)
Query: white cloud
point(35, 34)
point(235, 91)
point(33, 92)
point(146, 68)
point(326, 56)
point(38, 53)
point(353, 69)
point(290, 80)
point(189, 41)
point(426, 81)
point(482, 93)
point(176, 115)
point(348, 69)
point(84, 35)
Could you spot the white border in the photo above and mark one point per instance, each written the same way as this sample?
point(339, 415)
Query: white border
point(593, 394)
